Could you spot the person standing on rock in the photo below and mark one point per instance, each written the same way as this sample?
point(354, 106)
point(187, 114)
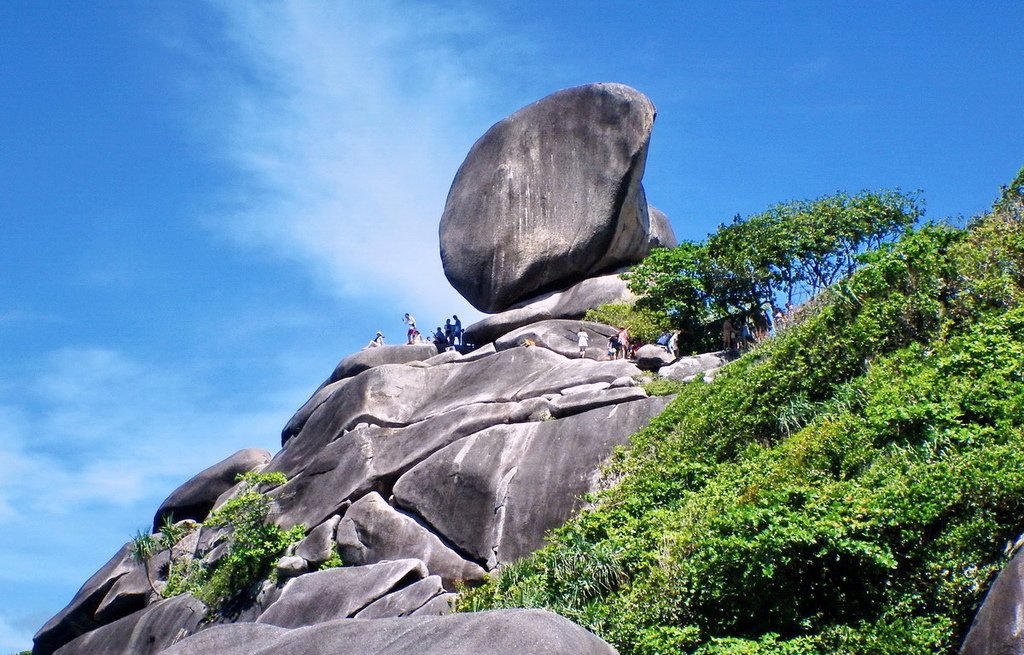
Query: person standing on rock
point(673, 344)
point(457, 329)
point(623, 338)
point(727, 334)
point(410, 320)
point(583, 341)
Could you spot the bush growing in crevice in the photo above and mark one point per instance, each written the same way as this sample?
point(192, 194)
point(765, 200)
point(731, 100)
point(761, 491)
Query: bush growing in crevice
point(252, 547)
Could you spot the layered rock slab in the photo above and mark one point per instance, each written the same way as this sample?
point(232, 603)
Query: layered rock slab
point(494, 494)
point(549, 196)
point(146, 632)
point(499, 632)
point(571, 303)
point(339, 593)
point(78, 617)
point(372, 531)
point(396, 395)
point(560, 336)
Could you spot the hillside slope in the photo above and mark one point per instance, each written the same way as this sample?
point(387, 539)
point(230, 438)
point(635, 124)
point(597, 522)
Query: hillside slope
point(853, 486)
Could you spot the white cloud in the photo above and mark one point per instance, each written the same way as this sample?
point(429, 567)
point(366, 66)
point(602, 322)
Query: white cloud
point(96, 429)
point(348, 121)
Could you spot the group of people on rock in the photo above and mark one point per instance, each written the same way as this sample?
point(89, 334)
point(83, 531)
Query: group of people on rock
point(448, 337)
point(739, 332)
point(621, 346)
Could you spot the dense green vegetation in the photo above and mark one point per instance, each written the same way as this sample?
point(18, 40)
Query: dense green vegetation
point(252, 546)
point(851, 486)
point(788, 253)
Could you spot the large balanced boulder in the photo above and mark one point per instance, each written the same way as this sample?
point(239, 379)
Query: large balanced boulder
point(500, 632)
point(998, 627)
point(549, 196)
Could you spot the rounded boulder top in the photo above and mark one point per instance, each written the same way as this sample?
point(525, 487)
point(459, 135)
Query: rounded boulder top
point(549, 196)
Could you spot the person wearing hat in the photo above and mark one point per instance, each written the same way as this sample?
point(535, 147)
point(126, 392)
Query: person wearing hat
point(377, 340)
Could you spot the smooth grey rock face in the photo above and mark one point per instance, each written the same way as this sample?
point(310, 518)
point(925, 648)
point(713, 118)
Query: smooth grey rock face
point(146, 632)
point(998, 627)
point(78, 617)
point(437, 606)
point(662, 234)
point(577, 403)
point(353, 365)
point(129, 594)
point(373, 458)
point(318, 546)
point(233, 639)
point(290, 567)
point(494, 494)
point(685, 368)
point(194, 499)
point(368, 358)
point(372, 531)
point(404, 602)
point(499, 632)
point(549, 196)
point(650, 357)
point(339, 593)
point(560, 336)
point(571, 303)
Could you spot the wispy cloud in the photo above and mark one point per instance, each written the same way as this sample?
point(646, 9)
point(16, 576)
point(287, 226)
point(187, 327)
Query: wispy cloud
point(347, 122)
point(91, 440)
point(92, 427)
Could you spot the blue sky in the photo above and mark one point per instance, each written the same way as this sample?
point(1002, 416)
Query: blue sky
point(205, 205)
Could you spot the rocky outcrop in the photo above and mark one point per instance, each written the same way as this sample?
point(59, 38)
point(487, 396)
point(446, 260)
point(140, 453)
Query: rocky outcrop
point(504, 632)
point(424, 470)
point(373, 531)
point(662, 234)
point(687, 369)
point(652, 358)
point(194, 499)
point(998, 627)
point(339, 593)
point(146, 632)
point(496, 493)
point(549, 196)
point(79, 615)
point(571, 303)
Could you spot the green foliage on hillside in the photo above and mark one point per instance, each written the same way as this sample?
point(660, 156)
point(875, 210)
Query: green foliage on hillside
point(851, 486)
point(793, 250)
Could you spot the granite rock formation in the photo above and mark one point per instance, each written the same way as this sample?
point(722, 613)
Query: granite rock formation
point(550, 196)
point(424, 470)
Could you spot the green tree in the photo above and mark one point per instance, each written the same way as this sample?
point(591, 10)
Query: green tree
point(793, 250)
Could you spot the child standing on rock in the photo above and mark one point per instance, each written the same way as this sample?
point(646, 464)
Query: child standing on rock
point(583, 341)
